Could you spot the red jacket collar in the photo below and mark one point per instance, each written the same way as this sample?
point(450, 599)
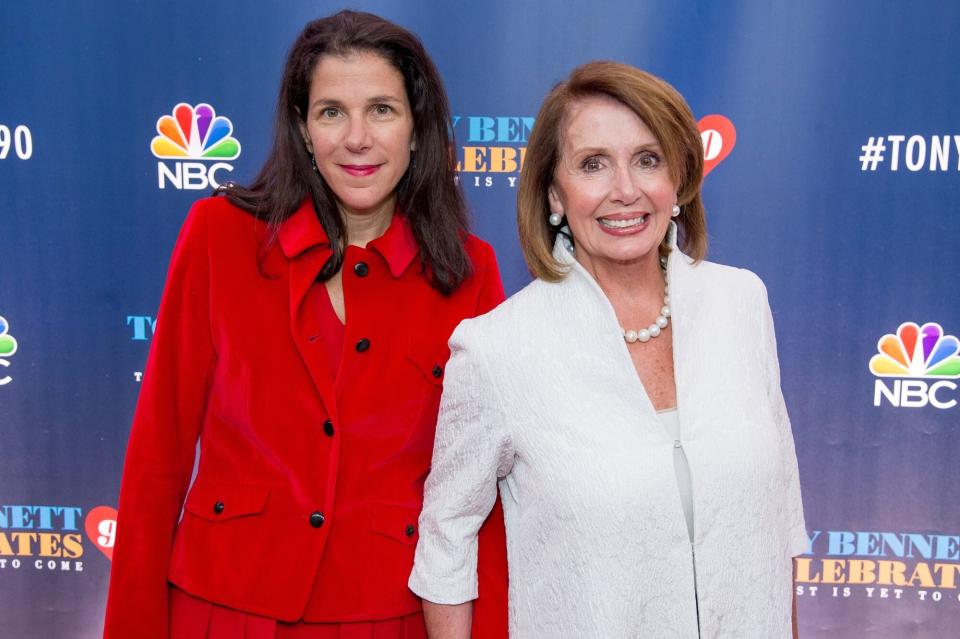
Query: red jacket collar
point(302, 231)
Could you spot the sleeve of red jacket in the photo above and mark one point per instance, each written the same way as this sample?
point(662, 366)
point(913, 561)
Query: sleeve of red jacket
point(490, 620)
point(160, 452)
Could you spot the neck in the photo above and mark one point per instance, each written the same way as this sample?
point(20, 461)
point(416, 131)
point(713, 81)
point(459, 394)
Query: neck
point(640, 279)
point(632, 287)
point(365, 226)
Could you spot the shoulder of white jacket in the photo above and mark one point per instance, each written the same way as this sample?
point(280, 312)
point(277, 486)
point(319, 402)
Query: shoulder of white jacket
point(724, 278)
point(528, 307)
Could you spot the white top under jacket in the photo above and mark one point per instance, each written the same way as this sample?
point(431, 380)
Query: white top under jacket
point(541, 395)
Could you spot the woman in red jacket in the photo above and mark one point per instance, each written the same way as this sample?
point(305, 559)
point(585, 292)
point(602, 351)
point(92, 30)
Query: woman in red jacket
point(302, 340)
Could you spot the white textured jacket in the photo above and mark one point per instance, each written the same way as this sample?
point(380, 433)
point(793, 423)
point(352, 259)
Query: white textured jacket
point(541, 395)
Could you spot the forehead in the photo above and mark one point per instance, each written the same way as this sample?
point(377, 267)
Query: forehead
point(602, 121)
point(355, 74)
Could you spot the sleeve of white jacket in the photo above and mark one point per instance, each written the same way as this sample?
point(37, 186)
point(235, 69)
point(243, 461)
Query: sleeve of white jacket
point(792, 503)
point(470, 453)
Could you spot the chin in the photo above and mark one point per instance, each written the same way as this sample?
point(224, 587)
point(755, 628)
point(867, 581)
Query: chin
point(631, 254)
point(365, 204)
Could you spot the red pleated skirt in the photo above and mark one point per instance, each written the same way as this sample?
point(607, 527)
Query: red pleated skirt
point(193, 618)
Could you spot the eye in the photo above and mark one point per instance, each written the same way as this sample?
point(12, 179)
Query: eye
point(648, 160)
point(329, 112)
point(382, 109)
point(591, 164)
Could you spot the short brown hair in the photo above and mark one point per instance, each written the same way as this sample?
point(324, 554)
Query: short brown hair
point(661, 108)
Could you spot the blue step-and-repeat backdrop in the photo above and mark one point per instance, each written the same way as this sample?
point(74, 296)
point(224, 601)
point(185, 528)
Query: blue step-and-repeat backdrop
point(832, 138)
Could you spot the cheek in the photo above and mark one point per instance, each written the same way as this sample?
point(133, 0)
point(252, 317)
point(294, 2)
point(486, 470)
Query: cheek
point(663, 191)
point(401, 152)
point(583, 199)
point(400, 144)
point(323, 140)
point(580, 208)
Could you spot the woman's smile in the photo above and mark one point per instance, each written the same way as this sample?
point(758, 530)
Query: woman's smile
point(360, 170)
point(624, 223)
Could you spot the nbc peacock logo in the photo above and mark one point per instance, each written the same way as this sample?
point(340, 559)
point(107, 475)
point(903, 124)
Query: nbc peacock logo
point(917, 364)
point(8, 346)
point(191, 133)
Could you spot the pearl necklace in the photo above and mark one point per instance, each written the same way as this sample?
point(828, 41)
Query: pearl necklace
point(663, 319)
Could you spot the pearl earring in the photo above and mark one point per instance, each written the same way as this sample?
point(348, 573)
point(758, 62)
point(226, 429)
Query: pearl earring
point(676, 210)
point(555, 219)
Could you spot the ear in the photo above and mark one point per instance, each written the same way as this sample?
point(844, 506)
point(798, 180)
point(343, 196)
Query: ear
point(556, 204)
point(304, 133)
point(413, 144)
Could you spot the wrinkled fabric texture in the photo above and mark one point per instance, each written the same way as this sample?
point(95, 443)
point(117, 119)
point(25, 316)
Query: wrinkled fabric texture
point(542, 397)
point(309, 483)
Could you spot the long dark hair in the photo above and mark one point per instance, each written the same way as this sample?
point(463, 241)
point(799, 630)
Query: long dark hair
point(427, 194)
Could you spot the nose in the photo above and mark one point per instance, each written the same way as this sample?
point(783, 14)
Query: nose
point(624, 189)
point(358, 138)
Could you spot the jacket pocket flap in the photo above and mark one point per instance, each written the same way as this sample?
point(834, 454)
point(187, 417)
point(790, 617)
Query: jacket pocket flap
point(219, 501)
point(397, 522)
point(429, 357)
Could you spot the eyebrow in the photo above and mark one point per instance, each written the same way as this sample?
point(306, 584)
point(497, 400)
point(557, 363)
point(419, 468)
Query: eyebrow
point(384, 98)
point(595, 150)
point(377, 99)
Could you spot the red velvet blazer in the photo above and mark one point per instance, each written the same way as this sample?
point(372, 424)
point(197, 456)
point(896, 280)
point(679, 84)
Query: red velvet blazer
point(308, 489)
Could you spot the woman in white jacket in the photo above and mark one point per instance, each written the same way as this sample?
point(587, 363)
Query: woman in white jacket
point(627, 401)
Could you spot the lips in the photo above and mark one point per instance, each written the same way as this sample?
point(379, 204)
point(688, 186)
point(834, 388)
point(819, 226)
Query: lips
point(624, 224)
point(360, 170)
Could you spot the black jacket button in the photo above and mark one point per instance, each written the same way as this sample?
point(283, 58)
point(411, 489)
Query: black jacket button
point(316, 519)
point(437, 371)
point(409, 530)
point(363, 345)
point(218, 507)
point(361, 269)
point(328, 428)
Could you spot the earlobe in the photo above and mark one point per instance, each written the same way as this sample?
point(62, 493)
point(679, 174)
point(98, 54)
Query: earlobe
point(305, 135)
point(556, 205)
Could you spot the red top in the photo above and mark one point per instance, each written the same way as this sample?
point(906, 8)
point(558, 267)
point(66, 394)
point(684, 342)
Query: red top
point(309, 485)
point(331, 332)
